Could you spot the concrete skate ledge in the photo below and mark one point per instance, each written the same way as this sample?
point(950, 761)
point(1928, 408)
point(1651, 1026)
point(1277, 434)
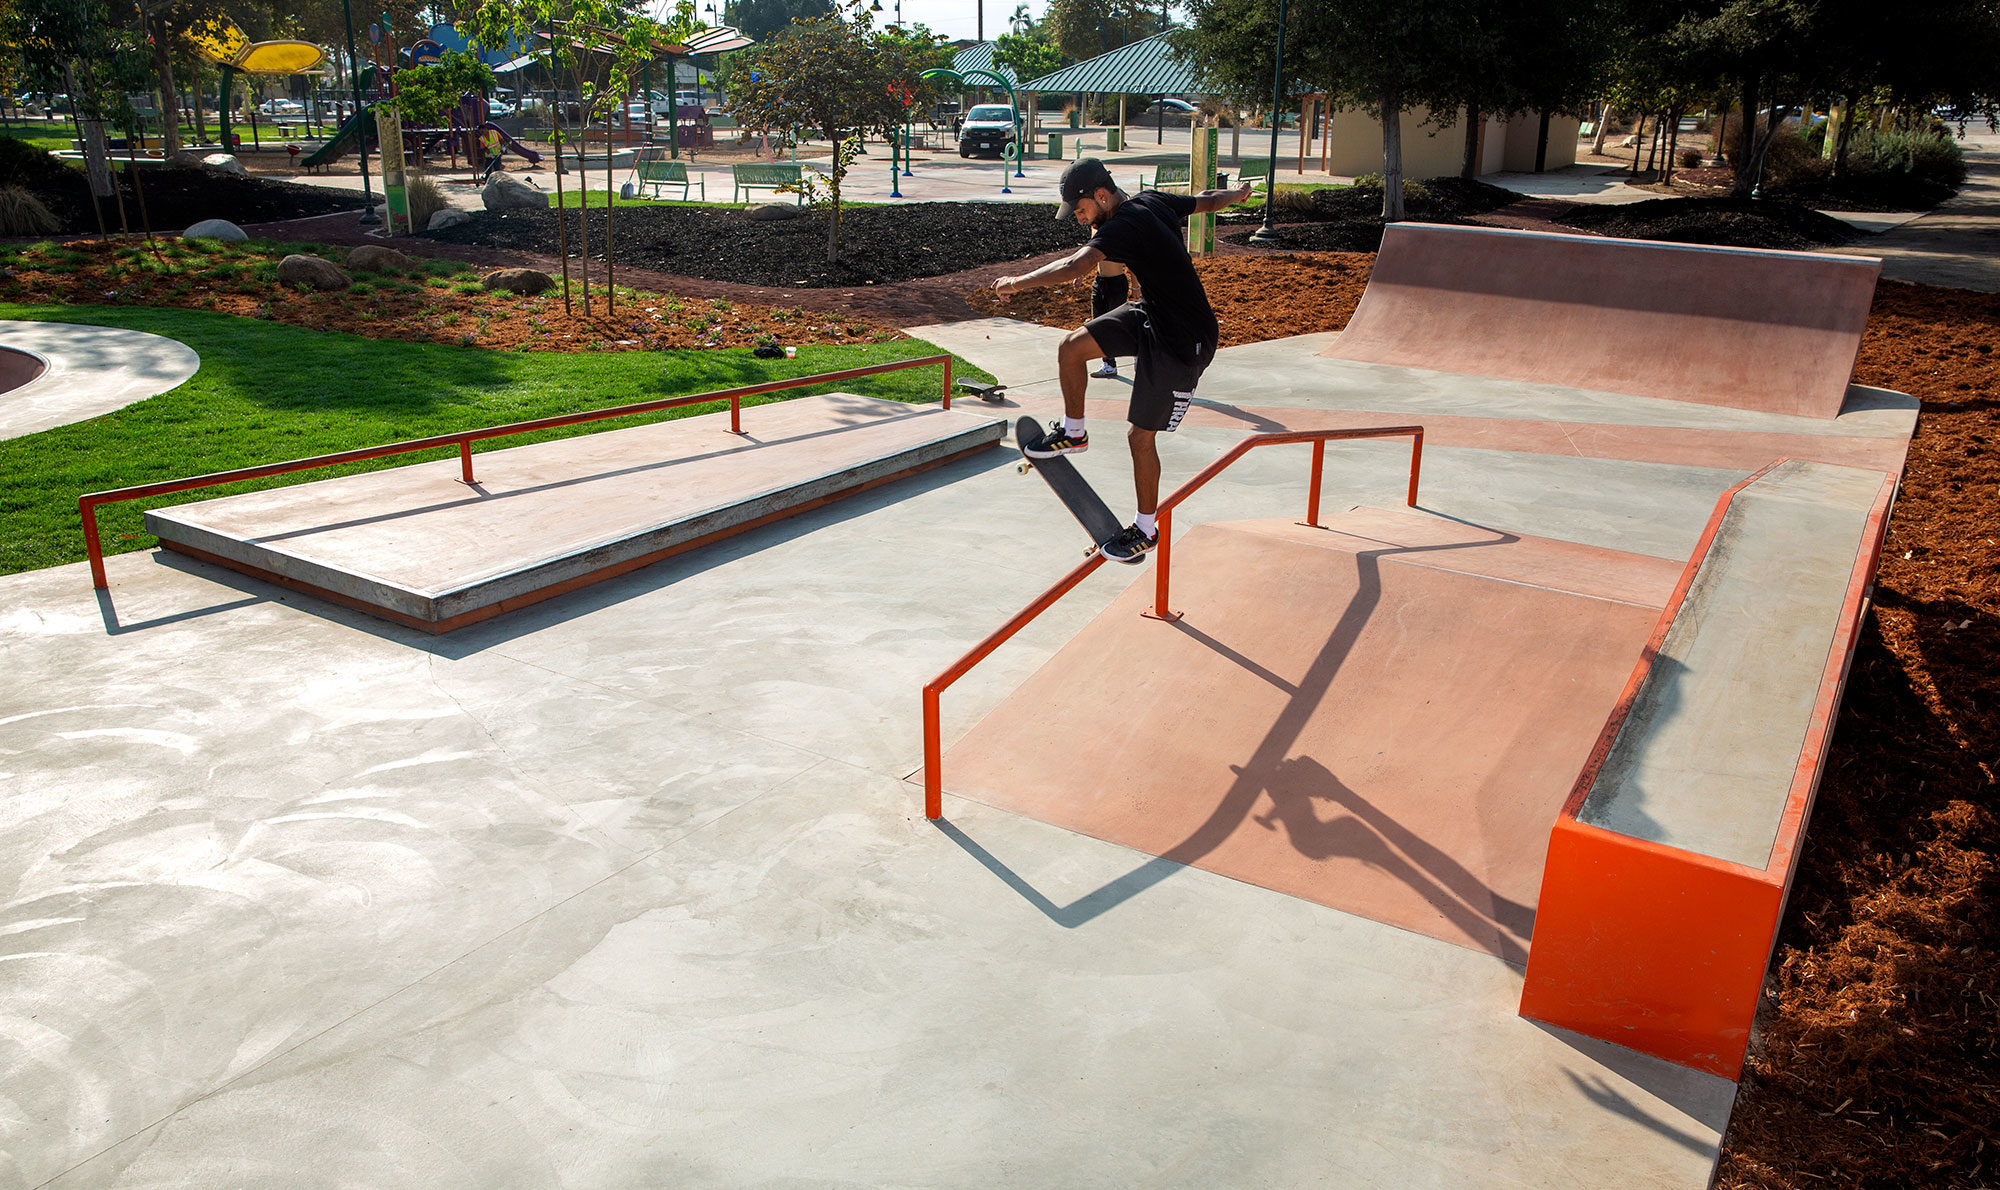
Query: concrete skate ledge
point(417, 546)
point(1668, 868)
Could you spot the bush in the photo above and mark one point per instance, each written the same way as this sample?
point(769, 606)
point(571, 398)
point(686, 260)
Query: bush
point(1924, 156)
point(22, 214)
point(22, 164)
point(1691, 158)
point(1412, 191)
point(425, 199)
point(1790, 161)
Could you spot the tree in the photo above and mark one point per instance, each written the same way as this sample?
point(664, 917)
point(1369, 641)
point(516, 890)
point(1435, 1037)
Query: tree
point(834, 77)
point(763, 19)
point(1028, 53)
point(1385, 56)
point(1086, 28)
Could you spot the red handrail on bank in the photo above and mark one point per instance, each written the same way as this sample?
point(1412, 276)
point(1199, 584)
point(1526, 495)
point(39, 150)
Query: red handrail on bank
point(933, 719)
point(87, 505)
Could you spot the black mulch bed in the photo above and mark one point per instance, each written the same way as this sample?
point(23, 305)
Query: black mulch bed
point(878, 245)
point(1350, 220)
point(174, 197)
point(1733, 222)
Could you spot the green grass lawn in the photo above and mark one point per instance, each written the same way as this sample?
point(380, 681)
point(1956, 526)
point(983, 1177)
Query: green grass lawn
point(268, 392)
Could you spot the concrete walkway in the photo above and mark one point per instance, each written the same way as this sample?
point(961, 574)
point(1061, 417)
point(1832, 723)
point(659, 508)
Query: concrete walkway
point(1958, 244)
point(91, 370)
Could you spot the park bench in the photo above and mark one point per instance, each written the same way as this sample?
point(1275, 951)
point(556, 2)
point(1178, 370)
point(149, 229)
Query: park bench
point(763, 175)
point(656, 171)
point(1173, 173)
point(1255, 171)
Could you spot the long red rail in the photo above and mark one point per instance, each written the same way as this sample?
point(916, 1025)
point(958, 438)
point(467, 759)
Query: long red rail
point(87, 505)
point(933, 718)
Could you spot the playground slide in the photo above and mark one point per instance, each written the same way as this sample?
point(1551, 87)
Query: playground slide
point(343, 142)
point(512, 145)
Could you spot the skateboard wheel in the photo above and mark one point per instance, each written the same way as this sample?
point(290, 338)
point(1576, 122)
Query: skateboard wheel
point(1023, 468)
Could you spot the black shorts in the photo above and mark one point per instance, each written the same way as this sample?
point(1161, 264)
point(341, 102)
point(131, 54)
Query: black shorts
point(1162, 382)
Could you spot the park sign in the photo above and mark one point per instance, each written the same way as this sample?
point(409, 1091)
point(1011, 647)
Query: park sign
point(395, 182)
point(1201, 176)
point(426, 52)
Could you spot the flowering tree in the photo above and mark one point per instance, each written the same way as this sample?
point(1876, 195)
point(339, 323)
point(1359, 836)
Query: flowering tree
point(834, 77)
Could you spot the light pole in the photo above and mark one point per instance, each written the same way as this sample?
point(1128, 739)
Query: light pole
point(368, 218)
point(1267, 234)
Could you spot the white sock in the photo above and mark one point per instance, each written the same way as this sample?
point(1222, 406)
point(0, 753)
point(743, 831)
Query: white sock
point(1111, 363)
point(1073, 426)
point(1145, 523)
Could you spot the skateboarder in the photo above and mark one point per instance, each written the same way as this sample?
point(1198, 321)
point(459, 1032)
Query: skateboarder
point(1170, 331)
point(1108, 291)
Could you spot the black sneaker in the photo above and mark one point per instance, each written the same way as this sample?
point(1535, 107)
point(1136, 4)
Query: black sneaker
point(1057, 442)
point(1130, 546)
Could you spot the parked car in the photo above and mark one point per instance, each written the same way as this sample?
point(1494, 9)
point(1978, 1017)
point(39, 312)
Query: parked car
point(282, 107)
point(498, 107)
point(691, 98)
point(988, 128)
point(1173, 107)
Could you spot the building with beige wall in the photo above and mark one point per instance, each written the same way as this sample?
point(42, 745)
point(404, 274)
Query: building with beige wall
point(1351, 144)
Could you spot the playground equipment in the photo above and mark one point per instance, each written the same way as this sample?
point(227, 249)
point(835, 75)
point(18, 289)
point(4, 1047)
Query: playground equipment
point(226, 45)
point(984, 78)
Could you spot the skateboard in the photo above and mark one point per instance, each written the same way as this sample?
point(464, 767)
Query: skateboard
point(1070, 487)
point(989, 393)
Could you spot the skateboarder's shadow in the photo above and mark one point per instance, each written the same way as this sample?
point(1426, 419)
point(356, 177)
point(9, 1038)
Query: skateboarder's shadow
point(1363, 831)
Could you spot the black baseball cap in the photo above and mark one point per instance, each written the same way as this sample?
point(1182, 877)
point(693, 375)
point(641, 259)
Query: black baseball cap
point(1080, 179)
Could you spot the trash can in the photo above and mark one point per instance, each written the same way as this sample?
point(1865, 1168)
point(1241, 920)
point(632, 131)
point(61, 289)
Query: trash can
point(1055, 146)
point(1075, 118)
point(1113, 141)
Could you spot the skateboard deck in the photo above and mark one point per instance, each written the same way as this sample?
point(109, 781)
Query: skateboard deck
point(1070, 487)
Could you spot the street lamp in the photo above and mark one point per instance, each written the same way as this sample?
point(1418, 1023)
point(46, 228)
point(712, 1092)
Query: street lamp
point(1267, 234)
point(368, 218)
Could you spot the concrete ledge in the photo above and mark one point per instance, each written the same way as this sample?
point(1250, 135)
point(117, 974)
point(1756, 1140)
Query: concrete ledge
point(418, 546)
point(1668, 868)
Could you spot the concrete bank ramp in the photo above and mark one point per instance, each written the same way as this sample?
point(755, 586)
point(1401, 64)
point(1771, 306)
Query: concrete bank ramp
point(1384, 715)
point(1775, 332)
point(418, 546)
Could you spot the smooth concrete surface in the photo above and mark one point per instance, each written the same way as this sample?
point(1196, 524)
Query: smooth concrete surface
point(419, 542)
point(1706, 759)
point(627, 888)
point(1778, 331)
point(630, 887)
point(90, 370)
point(1383, 715)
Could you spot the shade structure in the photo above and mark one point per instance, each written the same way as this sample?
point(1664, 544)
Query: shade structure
point(1146, 67)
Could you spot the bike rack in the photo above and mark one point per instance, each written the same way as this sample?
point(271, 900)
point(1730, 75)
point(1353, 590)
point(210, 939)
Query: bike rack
point(86, 505)
point(933, 747)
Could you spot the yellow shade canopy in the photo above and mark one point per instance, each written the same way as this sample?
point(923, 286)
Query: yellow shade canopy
point(220, 42)
point(280, 57)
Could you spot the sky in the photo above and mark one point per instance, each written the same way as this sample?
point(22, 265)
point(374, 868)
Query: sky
point(953, 18)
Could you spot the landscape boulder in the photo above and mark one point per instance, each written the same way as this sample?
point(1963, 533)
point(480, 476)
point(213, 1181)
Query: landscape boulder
point(505, 193)
point(310, 272)
point(774, 211)
point(375, 258)
point(522, 281)
point(226, 162)
point(449, 217)
point(215, 229)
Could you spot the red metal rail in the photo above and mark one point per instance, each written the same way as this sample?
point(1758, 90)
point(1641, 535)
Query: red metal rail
point(87, 505)
point(933, 720)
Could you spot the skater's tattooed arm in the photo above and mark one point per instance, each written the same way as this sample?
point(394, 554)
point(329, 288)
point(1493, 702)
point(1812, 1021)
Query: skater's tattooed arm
point(1081, 263)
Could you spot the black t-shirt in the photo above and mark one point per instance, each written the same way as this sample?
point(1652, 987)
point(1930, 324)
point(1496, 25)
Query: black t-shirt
point(1144, 235)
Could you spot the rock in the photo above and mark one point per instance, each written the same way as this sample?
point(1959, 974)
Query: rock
point(310, 272)
point(449, 217)
point(505, 193)
point(226, 162)
point(375, 258)
point(522, 281)
point(215, 229)
point(774, 211)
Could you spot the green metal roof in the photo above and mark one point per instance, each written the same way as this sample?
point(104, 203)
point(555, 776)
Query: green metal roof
point(1145, 67)
point(979, 56)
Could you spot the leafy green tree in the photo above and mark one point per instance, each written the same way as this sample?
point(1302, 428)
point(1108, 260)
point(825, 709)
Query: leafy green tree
point(832, 77)
point(425, 93)
point(763, 19)
point(1029, 54)
point(1086, 28)
point(1384, 56)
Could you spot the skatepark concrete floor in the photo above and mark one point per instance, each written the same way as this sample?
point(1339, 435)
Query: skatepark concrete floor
point(633, 888)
